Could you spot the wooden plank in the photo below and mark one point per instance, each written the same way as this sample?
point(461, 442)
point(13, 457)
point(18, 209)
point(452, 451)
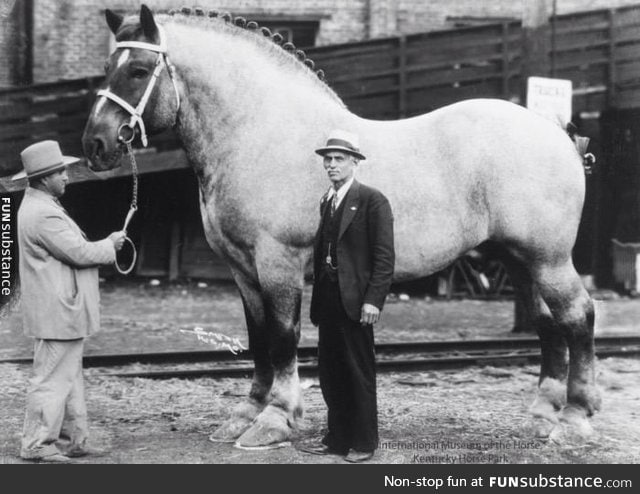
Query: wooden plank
point(628, 16)
point(627, 34)
point(583, 58)
point(72, 85)
point(54, 125)
point(422, 100)
point(582, 40)
point(61, 106)
point(464, 73)
point(629, 52)
point(148, 162)
point(570, 29)
point(454, 55)
point(628, 72)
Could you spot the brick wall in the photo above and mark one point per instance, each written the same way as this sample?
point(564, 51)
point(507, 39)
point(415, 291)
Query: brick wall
point(71, 38)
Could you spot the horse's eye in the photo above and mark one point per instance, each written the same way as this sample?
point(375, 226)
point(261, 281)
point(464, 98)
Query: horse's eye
point(106, 67)
point(138, 72)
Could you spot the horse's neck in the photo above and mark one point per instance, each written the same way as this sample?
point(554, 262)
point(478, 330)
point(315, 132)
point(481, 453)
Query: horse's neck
point(238, 99)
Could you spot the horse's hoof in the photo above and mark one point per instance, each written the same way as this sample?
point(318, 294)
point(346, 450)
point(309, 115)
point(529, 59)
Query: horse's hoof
point(231, 430)
point(270, 430)
point(544, 410)
point(542, 427)
point(574, 427)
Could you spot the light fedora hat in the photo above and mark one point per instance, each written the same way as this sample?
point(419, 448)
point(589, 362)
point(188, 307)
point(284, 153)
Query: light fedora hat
point(341, 140)
point(43, 158)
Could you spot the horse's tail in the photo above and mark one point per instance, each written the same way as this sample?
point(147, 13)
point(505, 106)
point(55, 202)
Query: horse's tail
point(581, 143)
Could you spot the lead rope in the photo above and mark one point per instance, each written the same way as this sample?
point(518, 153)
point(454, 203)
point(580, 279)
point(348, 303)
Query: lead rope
point(132, 208)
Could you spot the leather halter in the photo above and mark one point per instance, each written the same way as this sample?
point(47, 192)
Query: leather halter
point(136, 113)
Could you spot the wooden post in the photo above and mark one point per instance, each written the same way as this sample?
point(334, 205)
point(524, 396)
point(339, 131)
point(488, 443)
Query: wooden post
point(536, 40)
point(174, 250)
point(402, 77)
point(505, 60)
point(611, 96)
point(23, 63)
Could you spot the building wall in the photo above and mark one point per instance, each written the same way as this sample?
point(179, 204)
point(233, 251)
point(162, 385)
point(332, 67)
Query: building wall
point(9, 39)
point(71, 38)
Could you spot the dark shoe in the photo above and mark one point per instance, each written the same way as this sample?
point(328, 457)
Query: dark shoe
point(319, 449)
point(358, 456)
point(80, 451)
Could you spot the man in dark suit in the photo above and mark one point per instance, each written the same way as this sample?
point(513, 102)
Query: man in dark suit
point(353, 266)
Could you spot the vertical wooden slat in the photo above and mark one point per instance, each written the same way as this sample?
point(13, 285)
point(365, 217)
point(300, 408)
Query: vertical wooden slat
point(402, 77)
point(612, 58)
point(174, 250)
point(505, 60)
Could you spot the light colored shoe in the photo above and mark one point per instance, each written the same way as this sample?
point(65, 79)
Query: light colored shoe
point(80, 451)
point(53, 458)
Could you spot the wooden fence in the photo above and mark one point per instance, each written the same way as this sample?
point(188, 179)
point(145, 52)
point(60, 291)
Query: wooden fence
point(394, 77)
point(409, 75)
point(600, 52)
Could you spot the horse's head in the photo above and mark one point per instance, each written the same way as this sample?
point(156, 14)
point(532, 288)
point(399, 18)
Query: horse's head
point(139, 95)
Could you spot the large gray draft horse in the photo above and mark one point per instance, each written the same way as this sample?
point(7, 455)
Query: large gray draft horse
point(249, 114)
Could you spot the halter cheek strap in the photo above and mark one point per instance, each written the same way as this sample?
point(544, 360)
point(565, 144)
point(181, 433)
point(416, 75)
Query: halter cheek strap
point(136, 113)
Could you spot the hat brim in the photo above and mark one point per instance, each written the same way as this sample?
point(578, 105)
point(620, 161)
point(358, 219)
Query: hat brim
point(66, 160)
point(323, 151)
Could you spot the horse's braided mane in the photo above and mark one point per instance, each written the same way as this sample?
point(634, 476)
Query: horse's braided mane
point(252, 26)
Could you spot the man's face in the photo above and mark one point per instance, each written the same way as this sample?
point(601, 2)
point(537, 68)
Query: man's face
point(340, 167)
point(56, 183)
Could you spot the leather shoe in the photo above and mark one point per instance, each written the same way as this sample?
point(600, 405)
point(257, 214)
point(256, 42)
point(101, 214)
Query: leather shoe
point(358, 456)
point(54, 458)
point(319, 449)
point(80, 451)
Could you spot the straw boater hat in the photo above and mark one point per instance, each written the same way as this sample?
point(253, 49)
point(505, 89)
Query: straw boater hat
point(340, 140)
point(43, 158)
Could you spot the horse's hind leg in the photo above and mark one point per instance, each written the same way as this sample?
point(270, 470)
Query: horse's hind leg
point(573, 313)
point(551, 395)
point(245, 413)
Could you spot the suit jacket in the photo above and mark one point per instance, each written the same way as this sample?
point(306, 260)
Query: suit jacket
point(365, 251)
point(58, 270)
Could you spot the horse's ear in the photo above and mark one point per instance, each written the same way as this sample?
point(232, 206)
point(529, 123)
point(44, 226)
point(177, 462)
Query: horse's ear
point(114, 21)
point(147, 22)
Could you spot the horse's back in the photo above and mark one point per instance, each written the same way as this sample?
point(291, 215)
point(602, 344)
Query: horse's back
point(473, 171)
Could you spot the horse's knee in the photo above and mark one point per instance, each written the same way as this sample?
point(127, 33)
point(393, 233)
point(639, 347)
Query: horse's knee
point(282, 311)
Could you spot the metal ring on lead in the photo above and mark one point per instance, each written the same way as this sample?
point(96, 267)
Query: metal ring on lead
point(131, 130)
point(133, 260)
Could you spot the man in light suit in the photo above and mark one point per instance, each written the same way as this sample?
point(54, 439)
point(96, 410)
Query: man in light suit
point(60, 305)
point(353, 267)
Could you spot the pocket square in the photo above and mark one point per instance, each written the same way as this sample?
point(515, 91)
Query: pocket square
point(353, 208)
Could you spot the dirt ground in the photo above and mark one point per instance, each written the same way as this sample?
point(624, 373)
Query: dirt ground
point(465, 416)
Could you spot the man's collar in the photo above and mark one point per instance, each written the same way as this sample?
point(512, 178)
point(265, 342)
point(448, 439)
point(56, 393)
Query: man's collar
point(42, 195)
point(342, 191)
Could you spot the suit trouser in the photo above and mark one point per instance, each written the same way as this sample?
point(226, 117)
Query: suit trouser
point(347, 369)
point(56, 406)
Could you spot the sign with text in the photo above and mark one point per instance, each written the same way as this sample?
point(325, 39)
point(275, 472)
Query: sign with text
point(550, 98)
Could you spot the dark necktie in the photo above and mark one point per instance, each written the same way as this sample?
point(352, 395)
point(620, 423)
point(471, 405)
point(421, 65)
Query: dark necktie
point(334, 203)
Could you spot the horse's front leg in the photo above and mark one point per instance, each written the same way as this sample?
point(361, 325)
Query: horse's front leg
point(281, 275)
point(244, 414)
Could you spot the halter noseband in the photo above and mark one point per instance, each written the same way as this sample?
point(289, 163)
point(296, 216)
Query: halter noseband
point(136, 113)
